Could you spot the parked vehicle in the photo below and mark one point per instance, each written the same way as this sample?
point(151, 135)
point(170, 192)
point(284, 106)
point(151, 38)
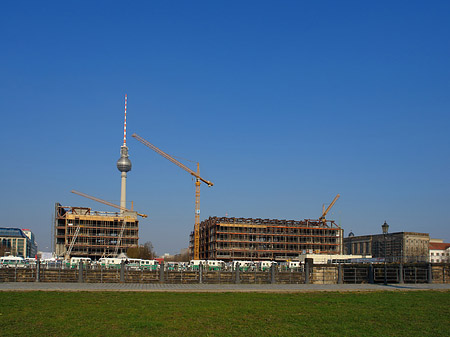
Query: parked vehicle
point(265, 265)
point(133, 263)
point(110, 262)
point(195, 264)
point(294, 264)
point(215, 264)
point(12, 262)
point(75, 261)
point(243, 265)
point(149, 265)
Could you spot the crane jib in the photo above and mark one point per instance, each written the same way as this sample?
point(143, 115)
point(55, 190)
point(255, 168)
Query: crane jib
point(170, 158)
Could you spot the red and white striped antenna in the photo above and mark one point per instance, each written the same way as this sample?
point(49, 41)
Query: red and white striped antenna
point(125, 124)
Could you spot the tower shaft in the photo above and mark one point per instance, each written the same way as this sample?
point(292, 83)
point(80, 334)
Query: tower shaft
point(123, 190)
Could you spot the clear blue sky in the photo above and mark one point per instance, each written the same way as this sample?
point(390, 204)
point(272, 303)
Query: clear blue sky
point(283, 103)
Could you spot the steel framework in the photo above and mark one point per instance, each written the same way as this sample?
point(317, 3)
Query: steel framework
point(265, 239)
point(99, 233)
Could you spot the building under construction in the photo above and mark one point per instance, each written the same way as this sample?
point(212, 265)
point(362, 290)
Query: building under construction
point(79, 231)
point(230, 239)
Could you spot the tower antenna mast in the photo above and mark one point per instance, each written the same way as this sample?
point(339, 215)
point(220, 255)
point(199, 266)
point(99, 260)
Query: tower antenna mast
point(124, 164)
point(125, 124)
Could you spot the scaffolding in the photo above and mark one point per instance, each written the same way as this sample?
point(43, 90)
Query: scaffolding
point(265, 239)
point(79, 231)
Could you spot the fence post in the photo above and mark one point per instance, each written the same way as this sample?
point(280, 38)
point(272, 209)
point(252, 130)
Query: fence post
point(306, 273)
point(161, 272)
point(122, 271)
point(38, 270)
point(443, 274)
point(340, 276)
point(371, 272)
point(80, 272)
point(237, 280)
point(400, 273)
point(200, 273)
point(272, 272)
point(430, 273)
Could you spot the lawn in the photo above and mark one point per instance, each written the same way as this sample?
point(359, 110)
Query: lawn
point(415, 313)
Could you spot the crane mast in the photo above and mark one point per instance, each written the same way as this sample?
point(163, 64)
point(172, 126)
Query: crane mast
point(197, 216)
point(198, 181)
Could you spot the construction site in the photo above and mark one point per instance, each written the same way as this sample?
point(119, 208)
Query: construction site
point(83, 232)
point(79, 231)
point(231, 239)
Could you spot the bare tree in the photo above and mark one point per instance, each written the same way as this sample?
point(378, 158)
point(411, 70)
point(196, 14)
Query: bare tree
point(3, 250)
point(144, 251)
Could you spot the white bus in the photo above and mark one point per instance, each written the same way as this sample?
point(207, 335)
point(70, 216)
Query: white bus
point(149, 265)
point(264, 265)
point(75, 261)
point(294, 264)
point(195, 264)
point(110, 262)
point(215, 264)
point(12, 261)
point(243, 265)
point(133, 263)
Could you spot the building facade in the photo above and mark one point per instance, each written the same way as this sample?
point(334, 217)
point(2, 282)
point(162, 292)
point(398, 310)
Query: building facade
point(14, 241)
point(439, 252)
point(395, 247)
point(81, 232)
point(265, 239)
point(33, 246)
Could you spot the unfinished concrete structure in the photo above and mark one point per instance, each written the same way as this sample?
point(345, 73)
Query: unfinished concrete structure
point(265, 239)
point(79, 231)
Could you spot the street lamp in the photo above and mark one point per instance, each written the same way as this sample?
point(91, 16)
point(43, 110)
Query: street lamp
point(385, 228)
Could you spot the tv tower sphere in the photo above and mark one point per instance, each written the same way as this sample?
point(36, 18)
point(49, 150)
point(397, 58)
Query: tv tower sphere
point(124, 164)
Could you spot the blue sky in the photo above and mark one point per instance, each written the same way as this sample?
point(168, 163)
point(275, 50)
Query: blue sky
point(284, 104)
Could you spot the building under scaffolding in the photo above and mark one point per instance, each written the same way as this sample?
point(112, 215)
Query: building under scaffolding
point(395, 247)
point(265, 239)
point(79, 231)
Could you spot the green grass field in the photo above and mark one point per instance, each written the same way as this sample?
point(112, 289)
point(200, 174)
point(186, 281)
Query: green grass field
point(417, 313)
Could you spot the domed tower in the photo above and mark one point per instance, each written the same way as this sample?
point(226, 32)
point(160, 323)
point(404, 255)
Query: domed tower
point(124, 164)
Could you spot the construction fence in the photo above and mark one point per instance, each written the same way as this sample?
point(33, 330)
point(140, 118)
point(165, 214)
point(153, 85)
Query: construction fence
point(305, 274)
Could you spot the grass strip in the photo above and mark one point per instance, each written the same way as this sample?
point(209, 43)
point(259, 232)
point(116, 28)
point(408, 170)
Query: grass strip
point(415, 313)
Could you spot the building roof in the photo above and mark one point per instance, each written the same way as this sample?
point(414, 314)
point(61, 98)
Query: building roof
point(370, 236)
point(12, 232)
point(439, 245)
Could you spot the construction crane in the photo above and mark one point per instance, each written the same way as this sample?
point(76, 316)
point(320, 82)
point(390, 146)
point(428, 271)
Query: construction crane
point(325, 212)
point(198, 181)
point(119, 239)
point(107, 203)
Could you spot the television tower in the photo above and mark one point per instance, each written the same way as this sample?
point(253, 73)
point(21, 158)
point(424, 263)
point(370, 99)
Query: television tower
point(124, 164)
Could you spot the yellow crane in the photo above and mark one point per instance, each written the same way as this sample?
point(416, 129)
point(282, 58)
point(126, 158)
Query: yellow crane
point(324, 212)
point(106, 202)
point(198, 181)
